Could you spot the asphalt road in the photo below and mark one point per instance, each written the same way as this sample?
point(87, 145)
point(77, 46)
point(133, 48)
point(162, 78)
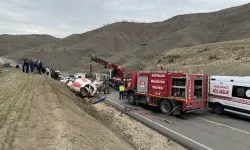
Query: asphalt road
point(6, 60)
point(202, 129)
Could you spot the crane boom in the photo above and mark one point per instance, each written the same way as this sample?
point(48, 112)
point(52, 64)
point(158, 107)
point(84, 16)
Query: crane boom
point(116, 72)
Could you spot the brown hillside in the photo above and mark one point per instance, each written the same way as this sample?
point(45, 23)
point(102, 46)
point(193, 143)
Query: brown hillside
point(134, 44)
point(192, 29)
point(15, 43)
point(229, 58)
point(105, 42)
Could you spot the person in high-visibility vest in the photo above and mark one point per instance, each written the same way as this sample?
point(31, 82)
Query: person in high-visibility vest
point(121, 91)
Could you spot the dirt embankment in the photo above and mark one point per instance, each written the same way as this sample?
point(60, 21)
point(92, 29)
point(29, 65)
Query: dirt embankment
point(40, 113)
point(140, 136)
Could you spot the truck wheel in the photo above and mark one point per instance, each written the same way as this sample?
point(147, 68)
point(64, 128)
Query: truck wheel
point(84, 92)
point(166, 107)
point(218, 109)
point(131, 98)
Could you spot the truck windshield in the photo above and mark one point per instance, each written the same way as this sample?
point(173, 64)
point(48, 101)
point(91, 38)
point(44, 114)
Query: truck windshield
point(128, 77)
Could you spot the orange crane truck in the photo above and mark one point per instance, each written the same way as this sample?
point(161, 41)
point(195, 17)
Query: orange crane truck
point(172, 92)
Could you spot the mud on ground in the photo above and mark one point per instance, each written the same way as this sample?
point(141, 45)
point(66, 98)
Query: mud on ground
point(39, 113)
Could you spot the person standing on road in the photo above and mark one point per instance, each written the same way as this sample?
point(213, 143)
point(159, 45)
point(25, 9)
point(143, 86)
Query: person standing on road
point(121, 91)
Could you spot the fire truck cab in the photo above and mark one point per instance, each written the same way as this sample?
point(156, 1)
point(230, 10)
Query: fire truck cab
point(230, 93)
point(172, 92)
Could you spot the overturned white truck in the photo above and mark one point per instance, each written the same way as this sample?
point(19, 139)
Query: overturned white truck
point(87, 88)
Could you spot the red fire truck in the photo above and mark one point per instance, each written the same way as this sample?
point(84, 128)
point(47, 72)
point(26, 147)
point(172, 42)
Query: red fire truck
point(172, 92)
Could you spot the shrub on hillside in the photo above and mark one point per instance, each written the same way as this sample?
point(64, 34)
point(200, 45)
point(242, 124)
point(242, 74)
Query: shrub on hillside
point(202, 50)
point(172, 58)
point(159, 61)
point(212, 57)
point(188, 45)
point(237, 58)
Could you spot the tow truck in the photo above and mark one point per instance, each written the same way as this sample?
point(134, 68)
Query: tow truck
point(116, 73)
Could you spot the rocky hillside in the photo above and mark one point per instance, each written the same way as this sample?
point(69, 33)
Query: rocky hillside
point(17, 43)
point(229, 58)
point(134, 44)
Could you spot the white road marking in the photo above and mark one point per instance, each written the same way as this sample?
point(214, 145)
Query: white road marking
point(223, 125)
point(187, 138)
point(117, 98)
point(2, 61)
point(115, 102)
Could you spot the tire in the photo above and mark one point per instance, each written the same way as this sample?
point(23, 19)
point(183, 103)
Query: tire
point(106, 90)
point(218, 109)
point(166, 107)
point(131, 98)
point(84, 92)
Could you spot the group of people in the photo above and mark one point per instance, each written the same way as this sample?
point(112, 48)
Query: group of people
point(33, 66)
point(36, 66)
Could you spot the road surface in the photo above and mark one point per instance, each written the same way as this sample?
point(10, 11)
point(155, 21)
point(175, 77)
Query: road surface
point(202, 129)
point(1, 61)
point(6, 60)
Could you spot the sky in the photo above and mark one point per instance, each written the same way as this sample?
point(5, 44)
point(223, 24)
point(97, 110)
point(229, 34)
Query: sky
point(61, 18)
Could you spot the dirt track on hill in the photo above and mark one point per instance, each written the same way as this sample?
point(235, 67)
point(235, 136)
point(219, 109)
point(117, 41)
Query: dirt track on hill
point(40, 113)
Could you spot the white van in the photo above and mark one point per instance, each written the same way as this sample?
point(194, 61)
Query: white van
point(229, 93)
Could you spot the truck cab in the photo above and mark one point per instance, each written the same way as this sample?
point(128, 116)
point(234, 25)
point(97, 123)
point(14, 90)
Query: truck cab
point(130, 82)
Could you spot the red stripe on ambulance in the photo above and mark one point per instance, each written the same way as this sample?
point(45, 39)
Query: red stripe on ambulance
point(232, 99)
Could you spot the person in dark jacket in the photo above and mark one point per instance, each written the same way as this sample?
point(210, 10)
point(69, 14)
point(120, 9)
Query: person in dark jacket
point(34, 66)
point(23, 69)
point(37, 63)
point(31, 65)
point(37, 67)
point(27, 65)
point(43, 70)
point(40, 66)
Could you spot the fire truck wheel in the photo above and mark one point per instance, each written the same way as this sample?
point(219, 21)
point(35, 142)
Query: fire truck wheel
point(131, 98)
point(166, 107)
point(218, 109)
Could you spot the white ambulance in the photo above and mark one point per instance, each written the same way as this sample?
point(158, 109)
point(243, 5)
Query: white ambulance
point(229, 93)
